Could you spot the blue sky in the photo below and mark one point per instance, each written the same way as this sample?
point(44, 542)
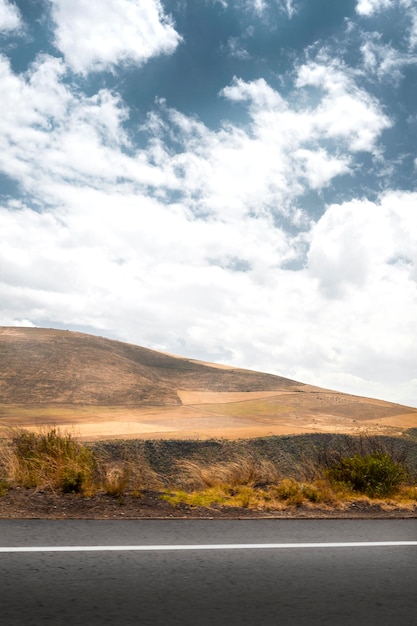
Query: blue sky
point(228, 180)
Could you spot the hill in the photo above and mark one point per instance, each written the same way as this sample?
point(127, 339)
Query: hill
point(106, 388)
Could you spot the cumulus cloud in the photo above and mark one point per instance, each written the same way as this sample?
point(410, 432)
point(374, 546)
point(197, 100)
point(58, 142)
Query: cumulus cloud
point(98, 36)
point(10, 18)
point(363, 257)
point(93, 266)
point(251, 174)
point(238, 171)
point(368, 7)
point(74, 133)
point(346, 111)
point(226, 173)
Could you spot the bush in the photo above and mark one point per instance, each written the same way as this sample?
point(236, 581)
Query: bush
point(50, 460)
point(374, 475)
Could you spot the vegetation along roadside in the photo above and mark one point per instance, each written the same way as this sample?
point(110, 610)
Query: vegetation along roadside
point(51, 474)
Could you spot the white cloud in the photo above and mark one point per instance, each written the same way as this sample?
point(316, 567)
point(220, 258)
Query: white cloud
point(346, 111)
point(236, 49)
point(363, 256)
point(283, 150)
point(138, 268)
point(98, 36)
point(413, 29)
point(228, 175)
point(368, 7)
point(258, 169)
point(385, 61)
point(75, 134)
point(319, 168)
point(260, 7)
point(10, 18)
point(289, 7)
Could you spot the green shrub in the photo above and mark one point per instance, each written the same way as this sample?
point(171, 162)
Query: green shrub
point(374, 475)
point(72, 481)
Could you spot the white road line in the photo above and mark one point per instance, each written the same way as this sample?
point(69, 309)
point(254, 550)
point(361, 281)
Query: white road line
point(218, 546)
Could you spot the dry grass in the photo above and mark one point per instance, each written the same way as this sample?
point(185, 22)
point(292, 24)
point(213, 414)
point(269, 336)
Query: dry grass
point(286, 493)
point(289, 493)
point(47, 460)
point(407, 493)
point(249, 483)
point(133, 475)
point(52, 460)
point(240, 471)
point(256, 483)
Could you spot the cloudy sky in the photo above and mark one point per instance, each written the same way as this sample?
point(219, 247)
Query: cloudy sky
point(228, 180)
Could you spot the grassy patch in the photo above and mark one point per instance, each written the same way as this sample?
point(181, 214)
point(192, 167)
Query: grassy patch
point(48, 460)
point(239, 471)
point(5, 486)
point(55, 461)
point(268, 473)
point(411, 432)
point(323, 477)
point(247, 408)
point(128, 474)
point(286, 493)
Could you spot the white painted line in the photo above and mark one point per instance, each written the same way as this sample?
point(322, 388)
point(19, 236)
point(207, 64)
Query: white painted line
point(216, 546)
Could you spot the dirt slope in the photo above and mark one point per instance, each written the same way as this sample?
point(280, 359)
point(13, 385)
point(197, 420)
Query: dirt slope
point(44, 366)
point(105, 388)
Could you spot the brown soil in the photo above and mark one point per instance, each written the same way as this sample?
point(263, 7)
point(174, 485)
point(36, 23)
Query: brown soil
point(21, 503)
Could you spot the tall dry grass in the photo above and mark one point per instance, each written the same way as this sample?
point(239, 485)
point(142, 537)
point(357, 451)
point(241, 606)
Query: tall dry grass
point(252, 481)
point(116, 477)
point(55, 460)
point(239, 471)
point(48, 460)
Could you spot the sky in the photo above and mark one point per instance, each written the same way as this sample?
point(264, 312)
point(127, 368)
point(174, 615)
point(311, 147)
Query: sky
point(226, 180)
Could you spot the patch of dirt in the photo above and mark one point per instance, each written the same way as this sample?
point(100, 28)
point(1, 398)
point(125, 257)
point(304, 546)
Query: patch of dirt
point(21, 503)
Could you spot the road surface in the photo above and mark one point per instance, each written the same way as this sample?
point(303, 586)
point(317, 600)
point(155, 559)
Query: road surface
point(208, 572)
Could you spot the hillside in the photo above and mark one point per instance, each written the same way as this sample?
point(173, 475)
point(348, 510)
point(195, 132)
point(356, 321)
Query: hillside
point(104, 388)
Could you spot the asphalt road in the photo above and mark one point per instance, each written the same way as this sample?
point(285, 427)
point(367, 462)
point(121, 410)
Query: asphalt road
point(186, 576)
